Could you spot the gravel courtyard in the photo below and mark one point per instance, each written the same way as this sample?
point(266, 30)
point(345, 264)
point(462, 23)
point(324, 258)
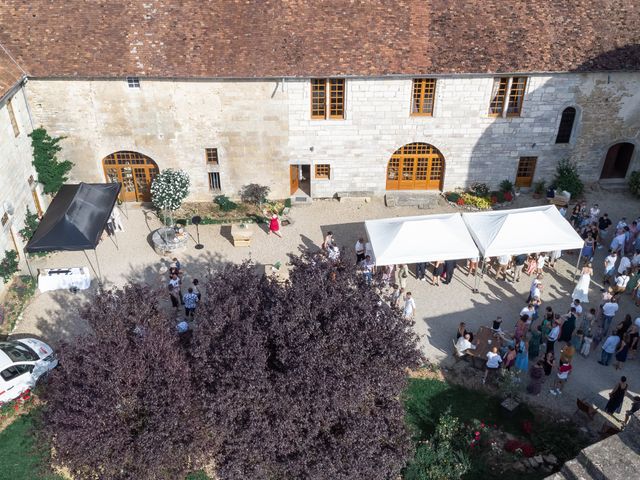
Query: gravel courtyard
point(53, 315)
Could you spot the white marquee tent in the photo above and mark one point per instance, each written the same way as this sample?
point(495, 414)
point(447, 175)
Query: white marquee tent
point(420, 239)
point(522, 230)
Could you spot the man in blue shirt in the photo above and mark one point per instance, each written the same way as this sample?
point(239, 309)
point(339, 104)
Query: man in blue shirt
point(190, 300)
point(608, 349)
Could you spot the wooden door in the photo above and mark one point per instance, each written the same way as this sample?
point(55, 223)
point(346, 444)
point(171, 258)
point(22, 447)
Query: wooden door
point(417, 166)
point(36, 202)
point(134, 171)
point(617, 161)
point(525, 172)
point(294, 176)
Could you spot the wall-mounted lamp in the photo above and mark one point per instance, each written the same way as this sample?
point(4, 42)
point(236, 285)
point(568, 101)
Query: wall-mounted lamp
point(8, 207)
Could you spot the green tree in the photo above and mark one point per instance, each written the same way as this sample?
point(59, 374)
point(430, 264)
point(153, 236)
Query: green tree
point(168, 190)
point(52, 173)
point(567, 178)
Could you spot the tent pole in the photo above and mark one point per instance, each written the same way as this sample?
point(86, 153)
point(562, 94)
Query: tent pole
point(98, 263)
point(26, 259)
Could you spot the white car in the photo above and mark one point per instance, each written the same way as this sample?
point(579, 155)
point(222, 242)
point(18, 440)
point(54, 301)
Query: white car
point(22, 363)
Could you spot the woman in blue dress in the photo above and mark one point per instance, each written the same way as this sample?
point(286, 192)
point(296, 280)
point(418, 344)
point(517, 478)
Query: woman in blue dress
point(587, 249)
point(522, 357)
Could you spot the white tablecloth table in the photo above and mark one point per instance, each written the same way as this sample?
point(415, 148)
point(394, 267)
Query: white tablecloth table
point(77, 277)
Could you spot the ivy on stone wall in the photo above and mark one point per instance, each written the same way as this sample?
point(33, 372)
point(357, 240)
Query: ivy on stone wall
point(8, 265)
point(52, 173)
point(31, 222)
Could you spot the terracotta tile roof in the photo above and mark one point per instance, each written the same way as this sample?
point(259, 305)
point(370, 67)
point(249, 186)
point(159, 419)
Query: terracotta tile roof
point(302, 38)
point(10, 73)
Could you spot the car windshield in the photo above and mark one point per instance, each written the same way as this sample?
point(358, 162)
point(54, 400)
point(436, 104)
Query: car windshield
point(18, 352)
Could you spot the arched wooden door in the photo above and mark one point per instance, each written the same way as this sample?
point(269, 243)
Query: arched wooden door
point(416, 166)
point(134, 171)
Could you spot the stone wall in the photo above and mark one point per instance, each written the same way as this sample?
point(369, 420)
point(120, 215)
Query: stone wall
point(15, 170)
point(260, 127)
point(173, 123)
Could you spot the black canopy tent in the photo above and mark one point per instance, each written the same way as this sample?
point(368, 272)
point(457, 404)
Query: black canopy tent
point(75, 219)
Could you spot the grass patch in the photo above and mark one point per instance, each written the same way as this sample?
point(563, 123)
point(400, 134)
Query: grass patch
point(18, 295)
point(20, 457)
point(426, 399)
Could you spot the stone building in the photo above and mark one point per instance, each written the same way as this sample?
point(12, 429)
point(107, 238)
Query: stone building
point(19, 189)
point(317, 98)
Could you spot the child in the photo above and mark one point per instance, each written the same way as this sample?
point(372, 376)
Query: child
point(586, 345)
point(563, 374)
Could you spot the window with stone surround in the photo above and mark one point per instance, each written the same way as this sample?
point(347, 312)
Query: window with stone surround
point(329, 105)
point(423, 97)
point(323, 171)
point(507, 96)
point(12, 117)
point(566, 125)
point(211, 155)
point(214, 181)
point(5, 218)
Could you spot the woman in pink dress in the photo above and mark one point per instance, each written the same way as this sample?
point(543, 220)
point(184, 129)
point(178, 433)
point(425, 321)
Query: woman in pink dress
point(274, 225)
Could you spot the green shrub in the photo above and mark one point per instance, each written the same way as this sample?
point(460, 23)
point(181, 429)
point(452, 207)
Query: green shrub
point(442, 457)
point(634, 183)
point(452, 196)
point(8, 265)
point(225, 204)
point(567, 178)
point(506, 186)
point(480, 189)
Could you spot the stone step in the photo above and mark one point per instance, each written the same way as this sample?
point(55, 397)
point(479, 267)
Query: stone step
point(412, 198)
point(574, 470)
point(301, 200)
point(614, 184)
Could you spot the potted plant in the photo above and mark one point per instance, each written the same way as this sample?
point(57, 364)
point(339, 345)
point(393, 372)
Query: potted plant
point(538, 188)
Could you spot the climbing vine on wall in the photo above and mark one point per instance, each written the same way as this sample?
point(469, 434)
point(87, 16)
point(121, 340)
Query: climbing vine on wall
point(52, 173)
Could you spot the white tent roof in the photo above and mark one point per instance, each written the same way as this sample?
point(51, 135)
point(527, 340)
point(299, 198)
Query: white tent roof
point(420, 239)
point(522, 230)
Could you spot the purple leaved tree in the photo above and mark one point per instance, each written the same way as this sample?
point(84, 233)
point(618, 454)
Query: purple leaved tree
point(303, 380)
point(121, 405)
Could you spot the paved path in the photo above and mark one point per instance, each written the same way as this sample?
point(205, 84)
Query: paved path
point(53, 315)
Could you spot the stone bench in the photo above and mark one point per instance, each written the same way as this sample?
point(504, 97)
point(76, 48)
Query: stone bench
point(354, 196)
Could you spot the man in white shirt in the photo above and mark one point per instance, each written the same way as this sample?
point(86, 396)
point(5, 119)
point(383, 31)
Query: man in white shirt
point(608, 349)
point(493, 363)
point(576, 304)
point(528, 310)
point(409, 306)
point(609, 310)
point(609, 266)
point(621, 282)
point(463, 344)
point(552, 336)
point(360, 250)
point(625, 264)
